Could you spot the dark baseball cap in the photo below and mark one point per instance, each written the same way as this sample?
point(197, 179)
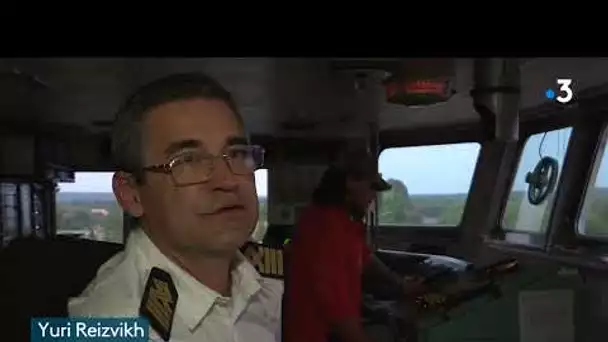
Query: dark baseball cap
point(360, 167)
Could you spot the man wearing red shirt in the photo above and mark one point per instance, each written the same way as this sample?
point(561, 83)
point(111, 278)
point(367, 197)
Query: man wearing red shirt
point(328, 257)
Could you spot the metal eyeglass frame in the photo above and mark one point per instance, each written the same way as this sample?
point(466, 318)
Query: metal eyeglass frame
point(167, 168)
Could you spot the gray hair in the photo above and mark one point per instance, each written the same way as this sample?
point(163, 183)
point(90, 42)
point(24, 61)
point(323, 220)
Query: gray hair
point(127, 134)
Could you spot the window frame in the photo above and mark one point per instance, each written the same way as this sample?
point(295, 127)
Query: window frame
point(561, 244)
point(601, 147)
point(564, 225)
point(436, 229)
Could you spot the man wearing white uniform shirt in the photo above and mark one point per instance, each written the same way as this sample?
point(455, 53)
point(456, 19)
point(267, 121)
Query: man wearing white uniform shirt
point(187, 172)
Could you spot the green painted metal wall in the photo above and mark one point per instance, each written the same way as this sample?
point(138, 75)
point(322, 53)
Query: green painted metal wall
point(497, 320)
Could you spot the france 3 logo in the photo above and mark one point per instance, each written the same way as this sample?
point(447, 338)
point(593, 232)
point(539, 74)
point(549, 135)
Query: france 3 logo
point(565, 93)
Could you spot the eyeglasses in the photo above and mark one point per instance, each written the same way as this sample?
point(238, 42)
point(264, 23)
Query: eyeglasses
point(193, 167)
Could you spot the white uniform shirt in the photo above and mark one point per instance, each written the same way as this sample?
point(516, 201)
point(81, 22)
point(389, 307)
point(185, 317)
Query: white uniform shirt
point(252, 313)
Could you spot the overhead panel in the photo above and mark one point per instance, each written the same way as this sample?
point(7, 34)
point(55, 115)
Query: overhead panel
point(280, 97)
point(313, 98)
point(23, 95)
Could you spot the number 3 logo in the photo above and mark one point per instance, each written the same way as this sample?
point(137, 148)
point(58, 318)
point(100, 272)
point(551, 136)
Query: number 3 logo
point(565, 88)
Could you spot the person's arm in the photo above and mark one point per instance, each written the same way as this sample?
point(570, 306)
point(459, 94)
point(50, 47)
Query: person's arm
point(376, 271)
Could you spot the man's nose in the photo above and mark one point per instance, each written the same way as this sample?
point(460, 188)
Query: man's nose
point(222, 176)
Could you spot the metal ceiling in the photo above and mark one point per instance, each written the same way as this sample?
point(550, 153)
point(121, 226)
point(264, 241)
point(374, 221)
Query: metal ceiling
point(273, 93)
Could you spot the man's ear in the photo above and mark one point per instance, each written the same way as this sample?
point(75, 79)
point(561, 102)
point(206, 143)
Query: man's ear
point(127, 193)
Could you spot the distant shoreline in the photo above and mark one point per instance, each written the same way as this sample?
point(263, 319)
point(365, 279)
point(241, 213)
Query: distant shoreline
point(96, 197)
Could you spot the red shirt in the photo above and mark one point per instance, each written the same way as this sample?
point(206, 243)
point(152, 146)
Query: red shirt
point(325, 259)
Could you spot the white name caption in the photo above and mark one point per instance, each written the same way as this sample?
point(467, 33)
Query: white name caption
point(106, 329)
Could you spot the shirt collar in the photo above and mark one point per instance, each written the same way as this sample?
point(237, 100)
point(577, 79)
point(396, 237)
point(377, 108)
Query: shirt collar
point(194, 298)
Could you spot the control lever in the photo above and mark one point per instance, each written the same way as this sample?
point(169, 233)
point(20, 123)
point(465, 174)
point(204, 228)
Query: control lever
point(442, 304)
point(487, 276)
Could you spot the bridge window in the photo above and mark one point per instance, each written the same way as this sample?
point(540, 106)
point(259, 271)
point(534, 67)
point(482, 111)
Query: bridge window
point(430, 184)
point(593, 221)
point(88, 209)
point(520, 215)
point(261, 183)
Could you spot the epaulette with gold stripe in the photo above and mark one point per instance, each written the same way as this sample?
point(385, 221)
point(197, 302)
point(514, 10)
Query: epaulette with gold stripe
point(267, 260)
point(159, 302)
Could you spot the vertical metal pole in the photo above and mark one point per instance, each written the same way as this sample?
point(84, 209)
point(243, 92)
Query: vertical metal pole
point(50, 207)
point(2, 219)
point(496, 100)
point(497, 95)
point(33, 215)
